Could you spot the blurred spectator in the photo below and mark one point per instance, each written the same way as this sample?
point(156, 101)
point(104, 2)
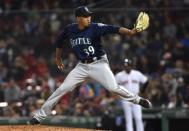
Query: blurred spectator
point(70, 62)
point(11, 91)
point(3, 73)
point(2, 94)
point(17, 70)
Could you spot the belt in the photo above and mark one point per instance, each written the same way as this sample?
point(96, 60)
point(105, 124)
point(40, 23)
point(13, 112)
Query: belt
point(91, 60)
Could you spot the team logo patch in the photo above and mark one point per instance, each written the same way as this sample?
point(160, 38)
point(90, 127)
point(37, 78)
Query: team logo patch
point(86, 9)
point(101, 24)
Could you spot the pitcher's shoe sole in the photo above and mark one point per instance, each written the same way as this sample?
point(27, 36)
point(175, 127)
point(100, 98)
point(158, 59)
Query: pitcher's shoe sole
point(145, 103)
point(33, 121)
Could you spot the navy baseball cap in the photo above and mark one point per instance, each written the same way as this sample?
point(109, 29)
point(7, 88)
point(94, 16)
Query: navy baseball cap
point(82, 11)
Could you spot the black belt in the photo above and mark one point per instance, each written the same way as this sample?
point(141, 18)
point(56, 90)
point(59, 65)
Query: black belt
point(88, 61)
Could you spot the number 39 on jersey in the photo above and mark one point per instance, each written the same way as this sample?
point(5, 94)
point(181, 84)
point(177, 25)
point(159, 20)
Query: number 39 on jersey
point(89, 51)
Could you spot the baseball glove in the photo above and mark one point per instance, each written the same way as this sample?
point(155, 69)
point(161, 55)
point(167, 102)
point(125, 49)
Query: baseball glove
point(142, 22)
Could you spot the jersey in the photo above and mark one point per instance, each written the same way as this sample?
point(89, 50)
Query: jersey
point(132, 80)
point(86, 44)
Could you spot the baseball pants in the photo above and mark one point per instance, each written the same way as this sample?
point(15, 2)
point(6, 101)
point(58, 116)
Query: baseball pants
point(99, 71)
point(132, 111)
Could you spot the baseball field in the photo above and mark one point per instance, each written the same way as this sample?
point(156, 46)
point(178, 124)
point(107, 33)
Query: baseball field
point(40, 128)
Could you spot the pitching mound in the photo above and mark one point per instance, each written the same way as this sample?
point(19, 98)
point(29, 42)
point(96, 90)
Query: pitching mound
point(40, 128)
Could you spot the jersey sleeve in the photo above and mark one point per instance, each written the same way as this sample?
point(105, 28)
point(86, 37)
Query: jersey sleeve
point(61, 38)
point(103, 29)
point(143, 79)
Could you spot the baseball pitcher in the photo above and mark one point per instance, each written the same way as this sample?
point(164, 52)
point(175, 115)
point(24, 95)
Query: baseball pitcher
point(131, 80)
point(84, 38)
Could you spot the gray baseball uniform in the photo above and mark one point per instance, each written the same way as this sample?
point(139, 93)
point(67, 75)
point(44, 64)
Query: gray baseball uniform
point(86, 45)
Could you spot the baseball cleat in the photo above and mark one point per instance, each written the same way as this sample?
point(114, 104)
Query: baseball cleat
point(145, 103)
point(33, 121)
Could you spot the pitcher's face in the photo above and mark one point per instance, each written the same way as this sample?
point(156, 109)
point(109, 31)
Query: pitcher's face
point(84, 21)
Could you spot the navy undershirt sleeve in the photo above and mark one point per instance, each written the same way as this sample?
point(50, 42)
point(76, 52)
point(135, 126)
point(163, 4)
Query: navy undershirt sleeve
point(61, 38)
point(104, 29)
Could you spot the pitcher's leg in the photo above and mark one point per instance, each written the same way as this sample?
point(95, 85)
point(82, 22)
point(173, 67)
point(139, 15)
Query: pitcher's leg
point(101, 72)
point(77, 75)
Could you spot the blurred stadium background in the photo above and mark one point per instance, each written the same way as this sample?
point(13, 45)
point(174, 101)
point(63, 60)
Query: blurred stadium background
point(28, 74)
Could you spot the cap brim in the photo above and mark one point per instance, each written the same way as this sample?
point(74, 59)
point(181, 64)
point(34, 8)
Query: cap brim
point(88, 14)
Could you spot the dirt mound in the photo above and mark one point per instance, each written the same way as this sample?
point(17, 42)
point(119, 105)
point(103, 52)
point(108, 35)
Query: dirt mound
point(40, 128)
